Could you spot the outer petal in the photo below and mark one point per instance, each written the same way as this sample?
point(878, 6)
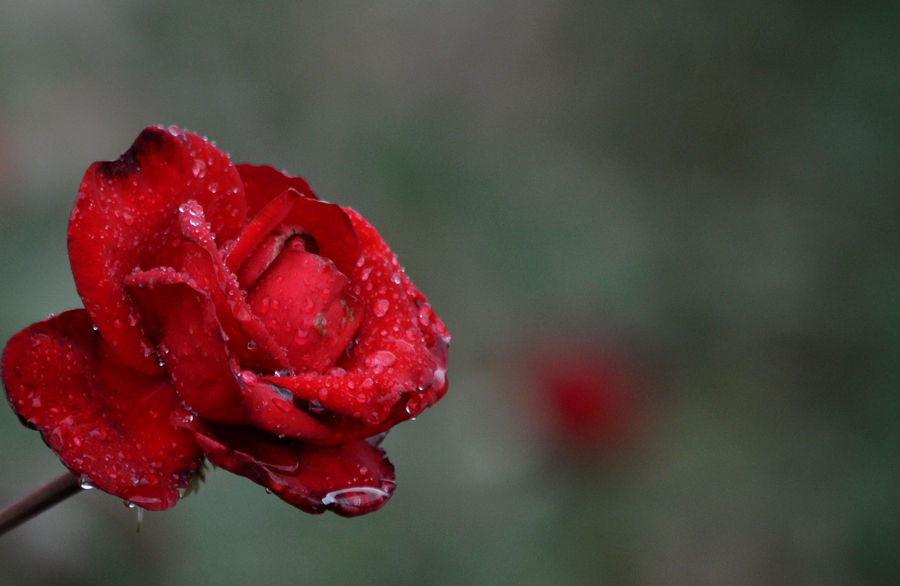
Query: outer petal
point(351, 479)
point(124, 218)
point(104, 421)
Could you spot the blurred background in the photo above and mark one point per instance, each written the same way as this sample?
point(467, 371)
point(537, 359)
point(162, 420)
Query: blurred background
point(664, 236)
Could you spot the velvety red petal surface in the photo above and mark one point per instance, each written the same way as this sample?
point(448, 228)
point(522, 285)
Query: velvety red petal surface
point(351, 479)
point(111, 424)
point(125, 218)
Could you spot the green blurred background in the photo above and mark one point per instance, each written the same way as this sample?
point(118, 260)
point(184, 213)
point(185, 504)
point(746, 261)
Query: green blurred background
point(710, 188)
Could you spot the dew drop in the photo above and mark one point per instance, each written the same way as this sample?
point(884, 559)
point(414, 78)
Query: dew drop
point(85, 483)
point(199, 169)
point(380, 360)
point(381, 307)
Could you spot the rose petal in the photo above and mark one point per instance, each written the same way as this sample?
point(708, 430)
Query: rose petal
point(124, 219)
point(262, 224)
point(245, 333)
point(190, 342)
point(331, 228)
point(199, 364)
point(351, 479)
point(326, 225)
point(400, 350)
point(262, 183)
point(303, 302)
point(272, 409)
point(111, 424)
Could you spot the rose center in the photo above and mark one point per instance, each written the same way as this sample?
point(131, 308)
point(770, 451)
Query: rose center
point(303, 300)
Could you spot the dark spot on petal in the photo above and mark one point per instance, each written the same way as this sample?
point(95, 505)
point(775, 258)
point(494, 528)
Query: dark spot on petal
point(149, 141)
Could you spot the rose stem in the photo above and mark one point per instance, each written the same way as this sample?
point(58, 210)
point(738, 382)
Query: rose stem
point(38, 501)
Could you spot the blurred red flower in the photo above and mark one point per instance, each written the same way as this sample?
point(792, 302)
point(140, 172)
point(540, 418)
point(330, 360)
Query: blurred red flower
point(587, 396)
point(229, 313)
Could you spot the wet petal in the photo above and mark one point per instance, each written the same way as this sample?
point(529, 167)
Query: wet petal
point(190, 341)
point(400, 349)
point(201, 368)
point(303, 302)
point(331, 229)
point(262, 183)
point(272, 409)
point(325, 228)
point(245, 333)
point(259, 227)
point(106, 422)
point(124, 218)
point(350, 480)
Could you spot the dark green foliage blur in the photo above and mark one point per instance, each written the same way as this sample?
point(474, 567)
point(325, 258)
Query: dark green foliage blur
point(713, 188)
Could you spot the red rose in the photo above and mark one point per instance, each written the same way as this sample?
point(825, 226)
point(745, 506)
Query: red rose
point(588, 397)
point(229, 314)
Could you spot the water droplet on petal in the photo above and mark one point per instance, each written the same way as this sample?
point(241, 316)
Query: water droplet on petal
point(380, 360)
point(85, 482)
point(381, 307)
point(199, 169)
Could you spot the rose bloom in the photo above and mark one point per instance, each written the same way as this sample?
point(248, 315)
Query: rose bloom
point(228, 314)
